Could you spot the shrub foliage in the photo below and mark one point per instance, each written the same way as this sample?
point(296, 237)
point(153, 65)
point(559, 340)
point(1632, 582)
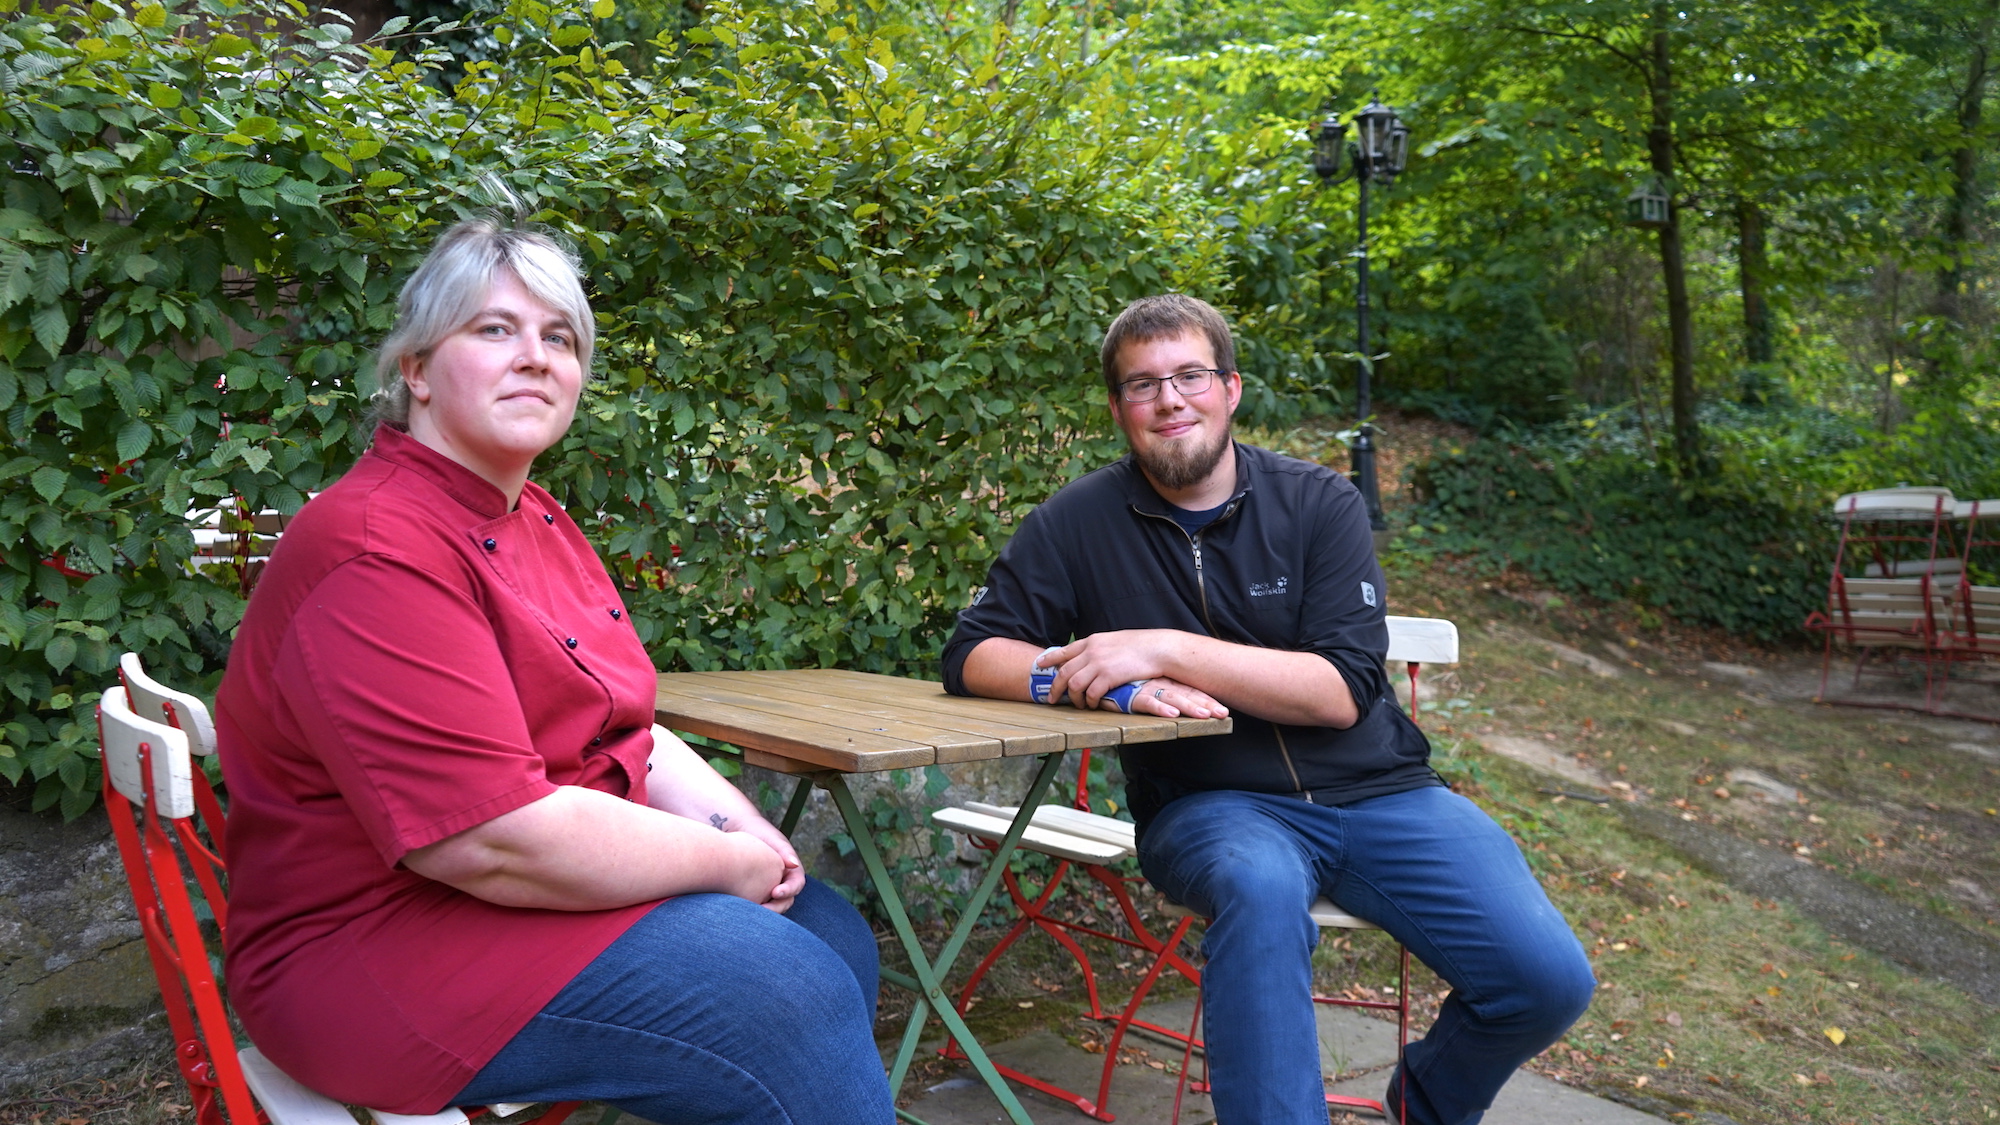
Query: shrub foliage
point(839, 312)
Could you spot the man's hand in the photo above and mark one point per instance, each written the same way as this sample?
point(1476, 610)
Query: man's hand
point(1087, 668)
point(1268, 683)
point(793, 879)
point(1169, 698)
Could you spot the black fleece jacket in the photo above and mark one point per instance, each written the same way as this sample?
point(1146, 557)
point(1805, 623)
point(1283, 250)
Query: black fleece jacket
point(1288, 565)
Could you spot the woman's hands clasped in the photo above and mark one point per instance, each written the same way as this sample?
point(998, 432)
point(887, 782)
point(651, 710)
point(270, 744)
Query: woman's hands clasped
point(776, 894)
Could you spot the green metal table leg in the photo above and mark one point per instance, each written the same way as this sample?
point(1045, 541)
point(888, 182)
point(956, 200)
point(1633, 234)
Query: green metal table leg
point(929, 974)
point(800, 794)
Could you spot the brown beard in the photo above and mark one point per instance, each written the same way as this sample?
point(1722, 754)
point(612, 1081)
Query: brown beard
point(1182, 465)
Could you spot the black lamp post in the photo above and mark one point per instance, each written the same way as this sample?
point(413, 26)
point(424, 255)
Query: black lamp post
point(1379, 151)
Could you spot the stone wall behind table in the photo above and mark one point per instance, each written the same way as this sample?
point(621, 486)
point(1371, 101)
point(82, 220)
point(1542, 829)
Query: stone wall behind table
point(77, 995)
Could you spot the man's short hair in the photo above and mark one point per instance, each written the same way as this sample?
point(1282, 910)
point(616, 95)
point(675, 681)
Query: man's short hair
point(1162, 317)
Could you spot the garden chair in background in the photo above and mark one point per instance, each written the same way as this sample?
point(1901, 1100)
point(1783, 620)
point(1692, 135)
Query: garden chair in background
point(1912, 608)
point(169, 830)
point(1076, 836)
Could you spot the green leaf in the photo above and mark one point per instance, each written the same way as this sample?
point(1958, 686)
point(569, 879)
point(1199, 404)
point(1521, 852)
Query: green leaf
point(134, 438)
point(299, 193)
point(61, 650)
point(51, 325)
point(163, 95)
point(604, 9)
point(256, 126)
point(16, 275)
point(150, 16)
point(49, 482)
point(383, 177)
point(363, 150)
point(570, 36)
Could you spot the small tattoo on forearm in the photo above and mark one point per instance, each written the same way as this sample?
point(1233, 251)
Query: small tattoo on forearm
point(721, 822)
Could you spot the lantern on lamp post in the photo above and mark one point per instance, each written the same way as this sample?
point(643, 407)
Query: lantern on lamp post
point(1379, 151)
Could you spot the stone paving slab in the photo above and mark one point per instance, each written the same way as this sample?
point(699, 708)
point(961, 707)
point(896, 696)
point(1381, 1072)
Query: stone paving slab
point(1140, 1095)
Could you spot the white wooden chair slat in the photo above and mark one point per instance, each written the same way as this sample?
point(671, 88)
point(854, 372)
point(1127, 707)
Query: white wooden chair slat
point(173, 770)
point(1330, 917)
point(286, 1100)
point(452, 1116)
point(1426, 640)
point(1895, 504)
point(151, 699)
point(1895, 587)
point(1060, 844)
point(1940, 569)
point(1075, 822)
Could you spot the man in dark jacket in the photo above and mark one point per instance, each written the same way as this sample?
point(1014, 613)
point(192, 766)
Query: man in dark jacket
point(1201, 577)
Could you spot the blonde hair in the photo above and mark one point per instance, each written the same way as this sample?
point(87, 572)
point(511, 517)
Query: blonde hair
point(451, 286)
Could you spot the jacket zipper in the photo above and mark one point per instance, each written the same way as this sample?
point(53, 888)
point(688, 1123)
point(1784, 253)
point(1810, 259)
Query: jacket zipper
point(1201, 588)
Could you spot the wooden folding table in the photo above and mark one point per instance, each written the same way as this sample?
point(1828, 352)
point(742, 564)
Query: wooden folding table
point(823, 724)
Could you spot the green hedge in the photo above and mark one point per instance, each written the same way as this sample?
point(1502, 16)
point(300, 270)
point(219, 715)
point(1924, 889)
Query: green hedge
point(841, 312)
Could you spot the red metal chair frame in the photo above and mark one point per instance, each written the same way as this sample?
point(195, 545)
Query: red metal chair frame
point(204, 1046)
point(1937, 645)
point(1034, 915)
point(158, 861)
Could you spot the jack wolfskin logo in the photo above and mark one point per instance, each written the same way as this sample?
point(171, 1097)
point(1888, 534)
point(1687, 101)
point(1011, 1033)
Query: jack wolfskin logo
point(1368, 593)
point(1268, 589)
point(978, 595)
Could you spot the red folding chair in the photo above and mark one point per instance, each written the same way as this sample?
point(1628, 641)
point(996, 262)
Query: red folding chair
point(1075, 838)
point(169, 827)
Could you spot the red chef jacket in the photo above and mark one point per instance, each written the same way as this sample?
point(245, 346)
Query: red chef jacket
point(416, 660)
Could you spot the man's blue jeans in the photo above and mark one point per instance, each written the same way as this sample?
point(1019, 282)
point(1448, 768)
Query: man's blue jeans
point(1425, 865)
point(712, 1010)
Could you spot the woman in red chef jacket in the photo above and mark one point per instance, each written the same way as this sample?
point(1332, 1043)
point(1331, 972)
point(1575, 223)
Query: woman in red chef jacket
point(465, 865)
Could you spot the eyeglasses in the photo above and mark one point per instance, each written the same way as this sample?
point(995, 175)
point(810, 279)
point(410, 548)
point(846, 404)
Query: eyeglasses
point(1188, 383)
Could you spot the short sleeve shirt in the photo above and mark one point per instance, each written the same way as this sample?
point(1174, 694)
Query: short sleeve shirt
point(416, 660)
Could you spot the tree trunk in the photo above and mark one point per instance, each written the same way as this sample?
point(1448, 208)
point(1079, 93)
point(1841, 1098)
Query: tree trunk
point(1751, 271)
point(1673, 263)
point(1960, 216)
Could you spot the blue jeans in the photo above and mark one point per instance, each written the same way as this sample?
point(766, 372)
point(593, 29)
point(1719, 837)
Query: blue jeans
point(1425, 865)
point(711, 1009)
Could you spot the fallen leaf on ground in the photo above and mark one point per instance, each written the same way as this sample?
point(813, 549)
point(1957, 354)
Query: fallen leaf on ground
point(1838, 1036)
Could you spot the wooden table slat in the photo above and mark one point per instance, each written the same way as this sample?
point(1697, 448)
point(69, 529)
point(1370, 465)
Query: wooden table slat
point(1013, 738)
point(927, 697)
point(773, 699)
point(1082, 728)
point(815, 743)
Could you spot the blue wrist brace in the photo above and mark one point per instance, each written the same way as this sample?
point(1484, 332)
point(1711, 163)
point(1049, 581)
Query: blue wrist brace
point(1123, 694)
point(1041, 679)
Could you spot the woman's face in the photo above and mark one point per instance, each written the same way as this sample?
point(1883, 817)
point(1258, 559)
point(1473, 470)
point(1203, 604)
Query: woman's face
point(499, 389)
